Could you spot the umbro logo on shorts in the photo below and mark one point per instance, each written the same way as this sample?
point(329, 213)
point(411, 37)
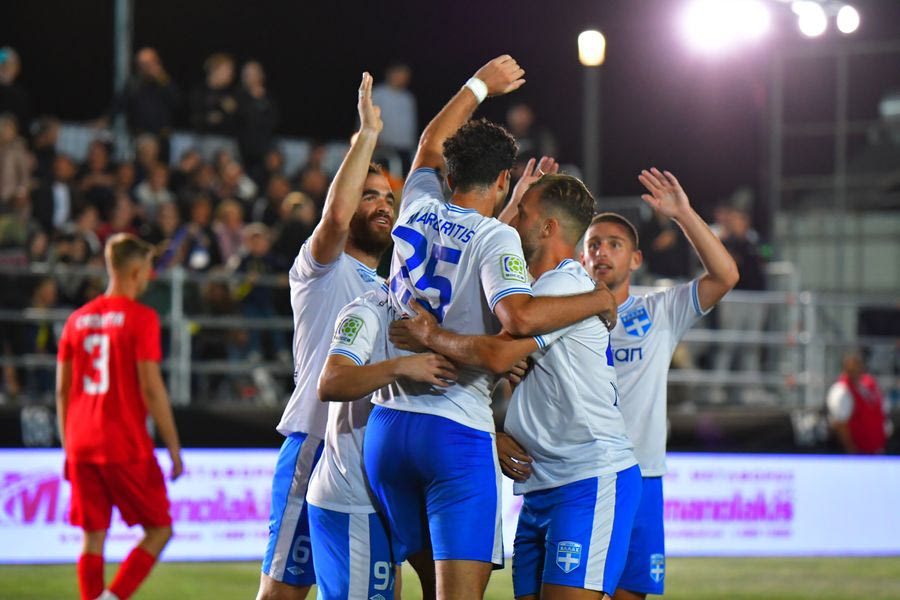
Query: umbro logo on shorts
point(568, 556)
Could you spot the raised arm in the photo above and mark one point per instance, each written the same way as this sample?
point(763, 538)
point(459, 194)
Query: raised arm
point(157, 400)
point(344, 195)
point(499, 76)
point(63, 385)
point(667, 197)
point(343, 380)
point(495, 353)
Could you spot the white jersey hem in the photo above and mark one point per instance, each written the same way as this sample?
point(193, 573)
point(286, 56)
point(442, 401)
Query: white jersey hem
point(430, 410)
point(523, 488)
point(341, 508)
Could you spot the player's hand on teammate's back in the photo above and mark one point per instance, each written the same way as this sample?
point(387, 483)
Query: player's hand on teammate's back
point(518, 372)
point(412, 334)
point(608, 308)
point(428, 368)
point(666, 195)
point(501, 75)
point(369, 114)
point(514, 461)
point(177, 466)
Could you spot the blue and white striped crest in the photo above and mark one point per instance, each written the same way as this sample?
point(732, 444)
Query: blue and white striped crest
point(636, 322)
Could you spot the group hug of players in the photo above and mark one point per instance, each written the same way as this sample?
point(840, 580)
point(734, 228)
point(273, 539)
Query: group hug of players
point(391, 454)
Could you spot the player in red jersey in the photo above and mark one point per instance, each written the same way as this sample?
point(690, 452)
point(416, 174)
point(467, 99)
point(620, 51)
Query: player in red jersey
point(107, 381)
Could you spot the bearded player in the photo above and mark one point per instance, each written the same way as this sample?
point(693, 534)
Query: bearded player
point(648, 330)
point(107, 381)
point(336, 265)
point(429, 451)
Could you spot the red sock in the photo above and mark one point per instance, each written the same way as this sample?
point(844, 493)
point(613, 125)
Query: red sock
point(132, 572)
point(90, 576)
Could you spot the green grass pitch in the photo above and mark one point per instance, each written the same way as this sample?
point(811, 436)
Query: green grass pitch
point(694, 578)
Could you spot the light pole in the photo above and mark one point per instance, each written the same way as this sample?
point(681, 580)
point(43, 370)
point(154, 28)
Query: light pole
point(591, 54)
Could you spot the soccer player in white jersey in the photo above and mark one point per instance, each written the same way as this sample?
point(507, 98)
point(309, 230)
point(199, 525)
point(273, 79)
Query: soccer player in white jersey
point(648, 330)
point(336, 265)
point(429, 452)
point(352, 552)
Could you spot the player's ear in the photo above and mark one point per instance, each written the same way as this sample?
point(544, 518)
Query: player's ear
point(637, 259)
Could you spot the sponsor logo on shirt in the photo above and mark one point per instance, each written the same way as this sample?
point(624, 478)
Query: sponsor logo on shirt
point(657, 567)
point(629, 354)
point(348, 330)
point(513, 268)
point(568, 556)
point(636, 322)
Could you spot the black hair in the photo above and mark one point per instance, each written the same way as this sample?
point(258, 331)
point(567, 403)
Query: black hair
point(477, 154)
point(610, 217)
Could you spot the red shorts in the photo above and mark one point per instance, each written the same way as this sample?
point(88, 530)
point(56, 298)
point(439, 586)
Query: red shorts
point(138, 490)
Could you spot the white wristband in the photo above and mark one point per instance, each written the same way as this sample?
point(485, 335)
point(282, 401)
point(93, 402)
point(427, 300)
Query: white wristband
point(478, 87)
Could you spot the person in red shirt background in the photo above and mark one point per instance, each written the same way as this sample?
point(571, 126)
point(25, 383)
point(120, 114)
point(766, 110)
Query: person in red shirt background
point(856, 409)
point(108, 379)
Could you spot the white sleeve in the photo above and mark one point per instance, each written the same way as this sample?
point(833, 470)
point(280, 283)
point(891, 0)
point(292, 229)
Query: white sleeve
point(355, 333)
point(557, 283)
point(839, 402)
point(307, 266)
point(682, 305)
point(422, 184)
point(502, 266)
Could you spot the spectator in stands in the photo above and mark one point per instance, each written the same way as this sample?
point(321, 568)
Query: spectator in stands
point(534, 141)
point(17, 226)
point(257, 117)
point(126, 176)
point(121, 219)
point(13, 97)
point(745, 316)
point(180, 177)
point(234, 183)
point(267, 209)
point(229, 226)
point(856, 409)
point(168, 236)
point(150, 99)
point(14, 169)
point(255, 297)
point(39, 339)
point(214, 104)
point(87, 220)
point(312, 179)
point(398, 112)
point(45, 133)
point(202, 253)
point(55, 203)
point(297, 219)
point(273, 164)
point(154, 192)
point(97, 179)
point(146, 155)
point(667, 252)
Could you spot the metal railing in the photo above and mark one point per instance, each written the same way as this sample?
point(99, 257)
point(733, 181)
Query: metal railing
point(789, 358)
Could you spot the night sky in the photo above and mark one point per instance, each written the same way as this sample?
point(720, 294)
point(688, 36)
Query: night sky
point(662, 105)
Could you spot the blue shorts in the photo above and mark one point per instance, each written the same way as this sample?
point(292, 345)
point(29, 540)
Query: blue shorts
point(645, 569)
point(352, 557)
point(288, 557)
point(576, 535)
point(429, 473)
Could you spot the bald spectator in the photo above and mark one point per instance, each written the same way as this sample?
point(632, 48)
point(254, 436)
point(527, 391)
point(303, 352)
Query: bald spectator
point(398, 112)
point(13, 97)
point(856, 409)
point(257, 117)
point(150, 99)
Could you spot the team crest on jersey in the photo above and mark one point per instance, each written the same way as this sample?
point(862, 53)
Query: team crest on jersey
point(657, 567)
point(348, 330)
point(365, 275)
point(377, 597)
point(568, 556)
point(636, 322)
point(513, 268)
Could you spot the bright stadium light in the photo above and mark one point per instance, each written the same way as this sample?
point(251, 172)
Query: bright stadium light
point(847, 19)
point(591, 48)
point(811, 18)
point(715, 25)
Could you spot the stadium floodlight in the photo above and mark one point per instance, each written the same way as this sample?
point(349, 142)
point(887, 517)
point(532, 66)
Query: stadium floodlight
point(811, 17)
point(715, 25)
point(591, 48)
point(847, 19)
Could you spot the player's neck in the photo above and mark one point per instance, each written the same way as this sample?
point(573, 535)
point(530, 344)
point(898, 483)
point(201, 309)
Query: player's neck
point(366, 258)
point(118, 289)
point(478, 200)
point(547, 257)
point(621, 292)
